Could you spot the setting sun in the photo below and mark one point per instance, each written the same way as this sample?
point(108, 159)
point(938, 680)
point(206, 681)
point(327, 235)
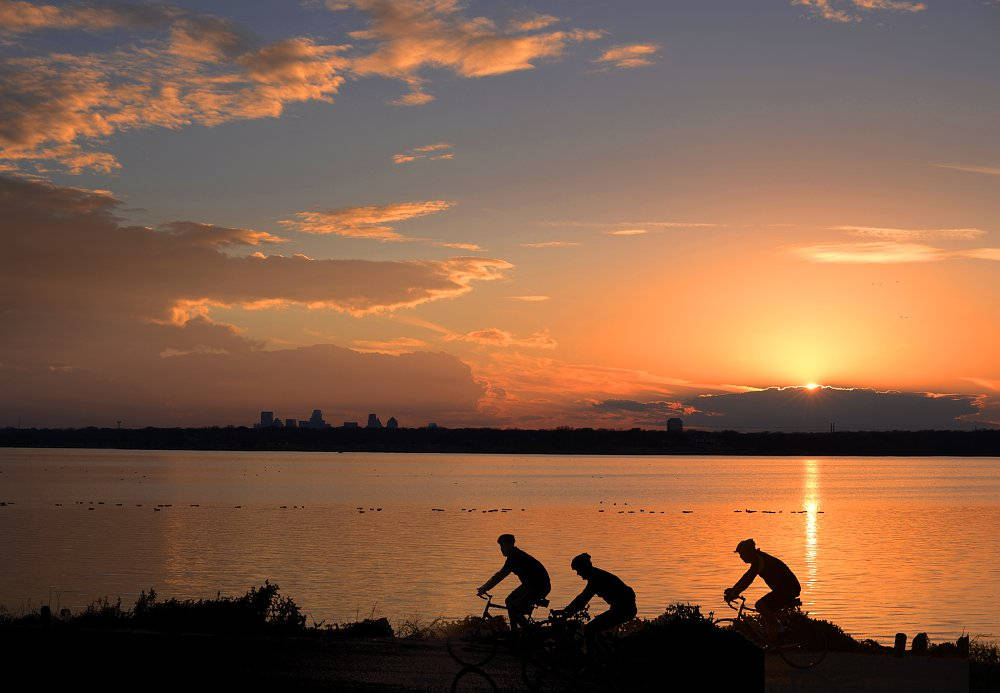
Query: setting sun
point(812, 386)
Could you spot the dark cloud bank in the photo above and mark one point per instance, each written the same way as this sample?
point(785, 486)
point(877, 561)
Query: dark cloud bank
point(103, 321)
point(801, 409)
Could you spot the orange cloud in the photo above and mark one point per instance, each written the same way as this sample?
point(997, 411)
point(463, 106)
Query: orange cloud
point(629, 56)
point(529, 299)
point(549, 244)
point(844, 11)
point(499, 338)
point(17, 16)
point(627, 232)
point(986, 170)
point(534, 23)
point(424, 152)
point(413, 35)
point(877, 252)
point(371, 221)
point(399, 345)
point(893, 234)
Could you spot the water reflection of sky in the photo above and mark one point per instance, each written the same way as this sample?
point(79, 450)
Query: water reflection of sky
point(883, 544)
point(810, 503)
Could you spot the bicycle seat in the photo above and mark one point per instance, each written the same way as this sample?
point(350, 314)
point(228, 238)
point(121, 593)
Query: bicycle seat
point(542, 602)
point(796, 602)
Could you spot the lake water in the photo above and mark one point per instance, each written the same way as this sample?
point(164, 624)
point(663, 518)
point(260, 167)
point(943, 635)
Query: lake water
point(884, 544)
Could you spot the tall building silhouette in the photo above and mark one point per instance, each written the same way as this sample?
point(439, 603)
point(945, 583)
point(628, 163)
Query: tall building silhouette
point(373, 422)
point(392, 423)
point(675, 425)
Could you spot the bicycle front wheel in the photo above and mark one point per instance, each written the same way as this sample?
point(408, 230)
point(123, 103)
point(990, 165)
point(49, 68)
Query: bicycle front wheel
point(473, 680)
point(742, 627)
point(476, 645)
point(803, 645)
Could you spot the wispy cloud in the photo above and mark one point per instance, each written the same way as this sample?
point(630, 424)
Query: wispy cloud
point(549, 244)
point(433, 152)
point(529, 299)
point(629, 56)
point(399, 345)
point(967, 168)
point(459, 246)
point(893, 234)
point(845, 11)
point(370, 221)
point(627, 232)
point(500, 338)
point(533, 22)
point(888, 252)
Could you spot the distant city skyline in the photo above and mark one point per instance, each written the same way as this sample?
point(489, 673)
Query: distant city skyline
point(748, 214)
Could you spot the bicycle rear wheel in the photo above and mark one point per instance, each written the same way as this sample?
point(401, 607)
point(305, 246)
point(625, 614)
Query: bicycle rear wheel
point(476, 645)
point(802, 645)
point(473, 680)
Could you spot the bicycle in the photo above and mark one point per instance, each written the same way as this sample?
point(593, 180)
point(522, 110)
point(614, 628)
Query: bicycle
point(480, 639)
point(799, 642)
point(554, 658)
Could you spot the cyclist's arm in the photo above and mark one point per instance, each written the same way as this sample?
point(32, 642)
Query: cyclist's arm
point(581, 600)
point(745, 581)
point(495, 580)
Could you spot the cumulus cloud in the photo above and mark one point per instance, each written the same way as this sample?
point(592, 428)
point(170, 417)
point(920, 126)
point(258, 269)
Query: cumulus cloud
point(411, 36)
point(629, 56)
point(103, 319)
point(52, 105)
point(370, 221)
point(845, 11)
point(500, 338)
point(432, 152)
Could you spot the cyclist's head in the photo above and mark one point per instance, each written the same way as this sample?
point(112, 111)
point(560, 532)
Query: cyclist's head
point(506, 542)
point(582, 565)
point(747, 549)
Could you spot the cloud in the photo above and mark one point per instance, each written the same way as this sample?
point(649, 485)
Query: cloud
point(370, 221)
point(399, 345)
point(629, 56)
point(549, 244)
point(426, 151)
point(532, 23)
point(986, 170)
point(887, 252)
point(499, 338)
point(18, 17)
point(801, 409)
point(529, 299)
point(627, 232)
point(459, 246)
point(105, 321)
point(891, 234)
point(205, 74)
point(411, 36)
point(845, 11)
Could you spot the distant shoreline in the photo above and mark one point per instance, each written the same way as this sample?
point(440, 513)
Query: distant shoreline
point(578, 441)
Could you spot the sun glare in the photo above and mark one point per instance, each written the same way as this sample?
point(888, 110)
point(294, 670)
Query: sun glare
point(812, 386)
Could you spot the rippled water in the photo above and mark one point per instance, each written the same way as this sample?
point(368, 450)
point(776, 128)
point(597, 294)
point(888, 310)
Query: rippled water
point(885, 544)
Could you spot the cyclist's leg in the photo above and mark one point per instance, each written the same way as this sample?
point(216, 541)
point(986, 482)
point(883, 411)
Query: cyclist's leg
point(519, 604)
point(768, 606)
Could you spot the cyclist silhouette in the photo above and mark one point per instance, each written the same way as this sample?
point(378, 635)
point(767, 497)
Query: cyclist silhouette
point(534, 587)
point(619, 596)
point(785, 588)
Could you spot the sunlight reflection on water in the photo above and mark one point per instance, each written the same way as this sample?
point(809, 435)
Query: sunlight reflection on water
point(883, 544)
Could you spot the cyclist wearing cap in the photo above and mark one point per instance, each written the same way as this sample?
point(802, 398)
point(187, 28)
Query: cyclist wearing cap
point(785, 588)
point(619, 596)
point(534, 587)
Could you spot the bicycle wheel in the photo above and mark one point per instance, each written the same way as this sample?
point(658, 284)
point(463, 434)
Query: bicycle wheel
point(802, 645)
point(551, 662)
point(476, 645)
point(472, 680)
point(744, 628)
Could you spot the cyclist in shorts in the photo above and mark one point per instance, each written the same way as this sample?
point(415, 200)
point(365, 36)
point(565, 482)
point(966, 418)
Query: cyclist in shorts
point(619, 596)
point(534, 587)
point(785, 588)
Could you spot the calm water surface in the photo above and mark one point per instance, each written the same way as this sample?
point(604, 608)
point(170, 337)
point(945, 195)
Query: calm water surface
point(884, 544)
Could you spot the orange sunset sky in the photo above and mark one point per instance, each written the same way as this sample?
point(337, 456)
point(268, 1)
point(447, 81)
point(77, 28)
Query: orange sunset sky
point(497, 213)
